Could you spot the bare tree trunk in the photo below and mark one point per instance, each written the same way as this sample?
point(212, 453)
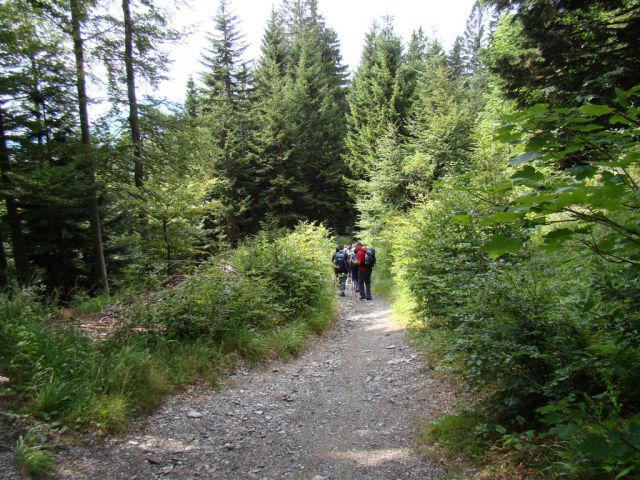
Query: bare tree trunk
point(167, 244)
point(4, 277)
point(134, 122)
point(13, 218)
point(94, 213)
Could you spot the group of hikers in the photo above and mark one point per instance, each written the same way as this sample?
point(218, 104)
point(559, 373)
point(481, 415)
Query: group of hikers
point(356, 262)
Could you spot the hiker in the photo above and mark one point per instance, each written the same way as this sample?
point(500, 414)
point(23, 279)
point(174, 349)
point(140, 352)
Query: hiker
point(353, 267)
point(366, 261)
point(341, 268)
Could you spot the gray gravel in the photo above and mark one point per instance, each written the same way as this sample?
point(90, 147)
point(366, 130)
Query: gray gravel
point(347, 408)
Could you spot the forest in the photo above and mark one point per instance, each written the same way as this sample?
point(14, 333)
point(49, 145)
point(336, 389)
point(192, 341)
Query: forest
point(497, 180)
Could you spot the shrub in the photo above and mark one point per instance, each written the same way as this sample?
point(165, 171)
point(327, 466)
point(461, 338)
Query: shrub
point(247, 303)
point(33, 458)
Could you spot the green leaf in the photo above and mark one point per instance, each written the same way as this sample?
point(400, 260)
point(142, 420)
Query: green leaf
point(463, 219)
point(524, 157)
point(499, 245)
point(559, 235)
point(572, 195)
point(595, 110)
point(537, 110)
point(595, 447)
point(624, 472)
point(565, 431)
point(615, 119)
point(505, 217)
point(621, 98)
point(509, 137)
point(541, 140)
point(620, 449)
point(583, 171)
point(634, 434)
point(588, 128)
point(527, 176)
point(534, 199)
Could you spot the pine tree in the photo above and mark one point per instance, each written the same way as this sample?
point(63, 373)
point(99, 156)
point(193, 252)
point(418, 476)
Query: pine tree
point(226, 73)
point(4, 268)
point(191, 99)
point(133, 43)
point(563, 51)
point(299, 113)
point(277, 185)
point(412, 67)
point(225, 101)
point(77, 16)
point(455, 61)
point(476, 36)
point(318, 81)
point(373, 100)
point(40, 175)
point(385, 193)
point(440, 141)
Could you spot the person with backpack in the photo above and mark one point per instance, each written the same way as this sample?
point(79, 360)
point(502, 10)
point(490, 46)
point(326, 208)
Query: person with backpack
point(341, 268)
point(353, 267)
point(366, 261)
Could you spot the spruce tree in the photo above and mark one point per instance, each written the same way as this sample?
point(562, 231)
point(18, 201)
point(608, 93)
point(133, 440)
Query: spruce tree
point(373, 103)
point(277, 185)
point(191, 99)
point(225, 101)
point(440, 132)
point(318, 81)
point(455, 62)
point(563, 51)
point(476, 37)
point(133, 43)
point(77, 15)
point(299, 112)
point(385, 193)
point(40, 150)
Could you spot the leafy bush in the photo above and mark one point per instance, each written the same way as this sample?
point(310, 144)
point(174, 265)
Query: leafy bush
point(262, 299)
point(33, 457)
point(526, 282)
point(271, 280)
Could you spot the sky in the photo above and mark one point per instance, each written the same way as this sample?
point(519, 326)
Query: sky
point(351, 19)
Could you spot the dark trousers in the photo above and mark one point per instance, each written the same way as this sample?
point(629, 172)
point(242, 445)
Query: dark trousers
point(341, 280)
point(364, 278)
point(354, 278)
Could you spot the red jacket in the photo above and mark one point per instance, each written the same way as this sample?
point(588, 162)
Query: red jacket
point(361, 265)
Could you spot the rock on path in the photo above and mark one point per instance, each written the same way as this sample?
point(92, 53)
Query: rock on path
point(347, 408)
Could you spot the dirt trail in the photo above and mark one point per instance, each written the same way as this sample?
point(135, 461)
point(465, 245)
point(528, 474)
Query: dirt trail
point(345, 409)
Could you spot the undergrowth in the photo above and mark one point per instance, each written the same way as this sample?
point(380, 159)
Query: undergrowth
point(34, 458)
point(262, 300)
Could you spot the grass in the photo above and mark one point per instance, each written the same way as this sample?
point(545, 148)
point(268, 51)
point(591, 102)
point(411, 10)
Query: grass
point(190, 333)
point(287, 341)
point(460, 434)
point(34, 459)
point(83, 302)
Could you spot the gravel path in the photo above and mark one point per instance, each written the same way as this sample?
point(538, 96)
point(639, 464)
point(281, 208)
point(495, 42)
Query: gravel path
point(347, 408)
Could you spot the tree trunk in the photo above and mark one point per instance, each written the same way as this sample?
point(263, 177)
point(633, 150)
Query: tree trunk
point(167, 244)
point(94, 213)
point(4, 277)
point(13, 218)
point(134, 122)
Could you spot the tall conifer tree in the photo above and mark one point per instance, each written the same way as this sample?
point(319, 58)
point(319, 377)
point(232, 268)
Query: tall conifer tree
point(225, 101)
point(373, 101)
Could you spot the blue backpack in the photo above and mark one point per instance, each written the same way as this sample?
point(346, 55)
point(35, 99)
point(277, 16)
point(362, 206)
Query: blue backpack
point(370, 257)
point(340, 261)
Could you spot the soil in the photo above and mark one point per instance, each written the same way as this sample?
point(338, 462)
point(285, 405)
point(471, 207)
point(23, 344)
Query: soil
point(346, 408)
